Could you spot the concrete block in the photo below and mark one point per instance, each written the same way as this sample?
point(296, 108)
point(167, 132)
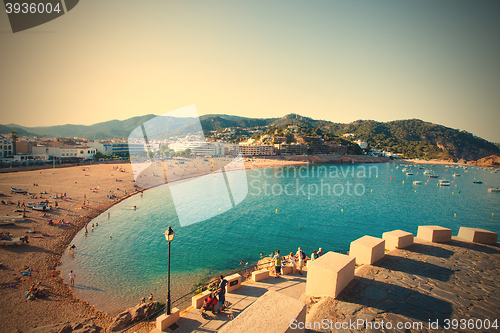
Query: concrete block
point(233, 282)
point(272, 312)
point(164, 321)
point(434, 233)
point(397, 239)
point(477, 235)
point(286, 270)
point(260, 275)
point(198, 300)
point(367, 250)
point(329, 274)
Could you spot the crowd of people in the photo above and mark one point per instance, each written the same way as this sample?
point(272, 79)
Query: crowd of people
point(300, 256)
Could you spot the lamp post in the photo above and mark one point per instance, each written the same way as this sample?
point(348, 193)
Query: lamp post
point(169, 236)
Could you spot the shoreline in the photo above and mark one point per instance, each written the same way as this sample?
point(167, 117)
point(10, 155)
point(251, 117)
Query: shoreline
point(53, 250)
point(65, 306)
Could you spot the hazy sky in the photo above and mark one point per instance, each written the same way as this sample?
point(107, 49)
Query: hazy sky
point(438, 61)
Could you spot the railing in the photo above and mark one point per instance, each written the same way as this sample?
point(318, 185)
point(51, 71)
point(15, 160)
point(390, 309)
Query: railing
point(244, 272)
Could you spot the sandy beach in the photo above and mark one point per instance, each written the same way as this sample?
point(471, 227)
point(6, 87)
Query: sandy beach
point(89, 184)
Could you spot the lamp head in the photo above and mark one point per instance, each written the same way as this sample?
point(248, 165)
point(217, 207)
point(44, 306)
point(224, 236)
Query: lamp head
point(169, 234)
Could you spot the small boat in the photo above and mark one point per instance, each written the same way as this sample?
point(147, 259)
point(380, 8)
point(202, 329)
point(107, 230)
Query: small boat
point(13, 218)
point(409, 173)
point(494, 189)
point(417, 182)
point(405, 169)
point(477, 182)
point(444, 182)
point(427, 172)
point(433, 176)
point(421, 167)
point(19, 190)
point(40, 208)
point(456, 175)
point(31, 204)
point(12, 242)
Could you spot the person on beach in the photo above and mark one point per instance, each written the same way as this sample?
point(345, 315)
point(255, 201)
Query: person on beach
point(143, 300)
point(109, 214)
point(151, 297)
point(302, 257)
point(277, 264)
point(314, 255)
point(291, 257)
point(320, 252)
point(72, 278)
point(221, 293)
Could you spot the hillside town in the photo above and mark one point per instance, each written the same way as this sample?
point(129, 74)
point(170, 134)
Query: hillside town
point(257, 141)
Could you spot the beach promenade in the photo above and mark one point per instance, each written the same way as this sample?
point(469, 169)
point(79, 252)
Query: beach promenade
point(426, 287)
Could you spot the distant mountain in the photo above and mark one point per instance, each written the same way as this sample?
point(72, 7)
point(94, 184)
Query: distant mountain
point(100, 131)
point(5, 129)
point(411, 137)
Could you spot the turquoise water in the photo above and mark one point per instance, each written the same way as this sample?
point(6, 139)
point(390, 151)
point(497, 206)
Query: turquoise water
point(113, 274)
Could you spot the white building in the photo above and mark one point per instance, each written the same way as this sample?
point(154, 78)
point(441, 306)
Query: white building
point(6, 147)
point(349, 135)
point(203, 148)
point(122, 148)
point(362, 144)
point(70, 152)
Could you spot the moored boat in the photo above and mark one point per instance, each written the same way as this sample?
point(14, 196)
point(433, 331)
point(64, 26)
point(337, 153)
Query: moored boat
point(417, 182)
point(444, 182)
point(494, 189)
point(40, 207)
point(409, 173)
point(19, 190)
point(433, 176)
point(477, 182)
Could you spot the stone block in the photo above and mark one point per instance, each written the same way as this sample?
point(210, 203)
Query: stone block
point(286, 270)
point(477, 235)
point(272, 312)
point(329, 274)
point(233, 282)
point(434, 233)
point(164, 321)
point(367, 250)
point(198, 300)
point(260, 275)
point(397, 239)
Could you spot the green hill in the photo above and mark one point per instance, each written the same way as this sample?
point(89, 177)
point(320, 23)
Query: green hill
point(411, 137)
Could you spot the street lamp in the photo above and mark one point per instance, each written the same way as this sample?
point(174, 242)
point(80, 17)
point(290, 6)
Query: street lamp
point(169, 236)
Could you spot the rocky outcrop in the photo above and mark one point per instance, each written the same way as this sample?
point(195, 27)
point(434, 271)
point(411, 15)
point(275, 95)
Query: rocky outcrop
point(490, 161)
point(133, 315)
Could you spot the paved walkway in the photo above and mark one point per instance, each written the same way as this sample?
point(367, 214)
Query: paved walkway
point(290, 285)
point(456, 283)
point(444, 282)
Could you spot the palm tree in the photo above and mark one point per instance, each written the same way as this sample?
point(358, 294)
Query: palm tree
point(14, 140)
